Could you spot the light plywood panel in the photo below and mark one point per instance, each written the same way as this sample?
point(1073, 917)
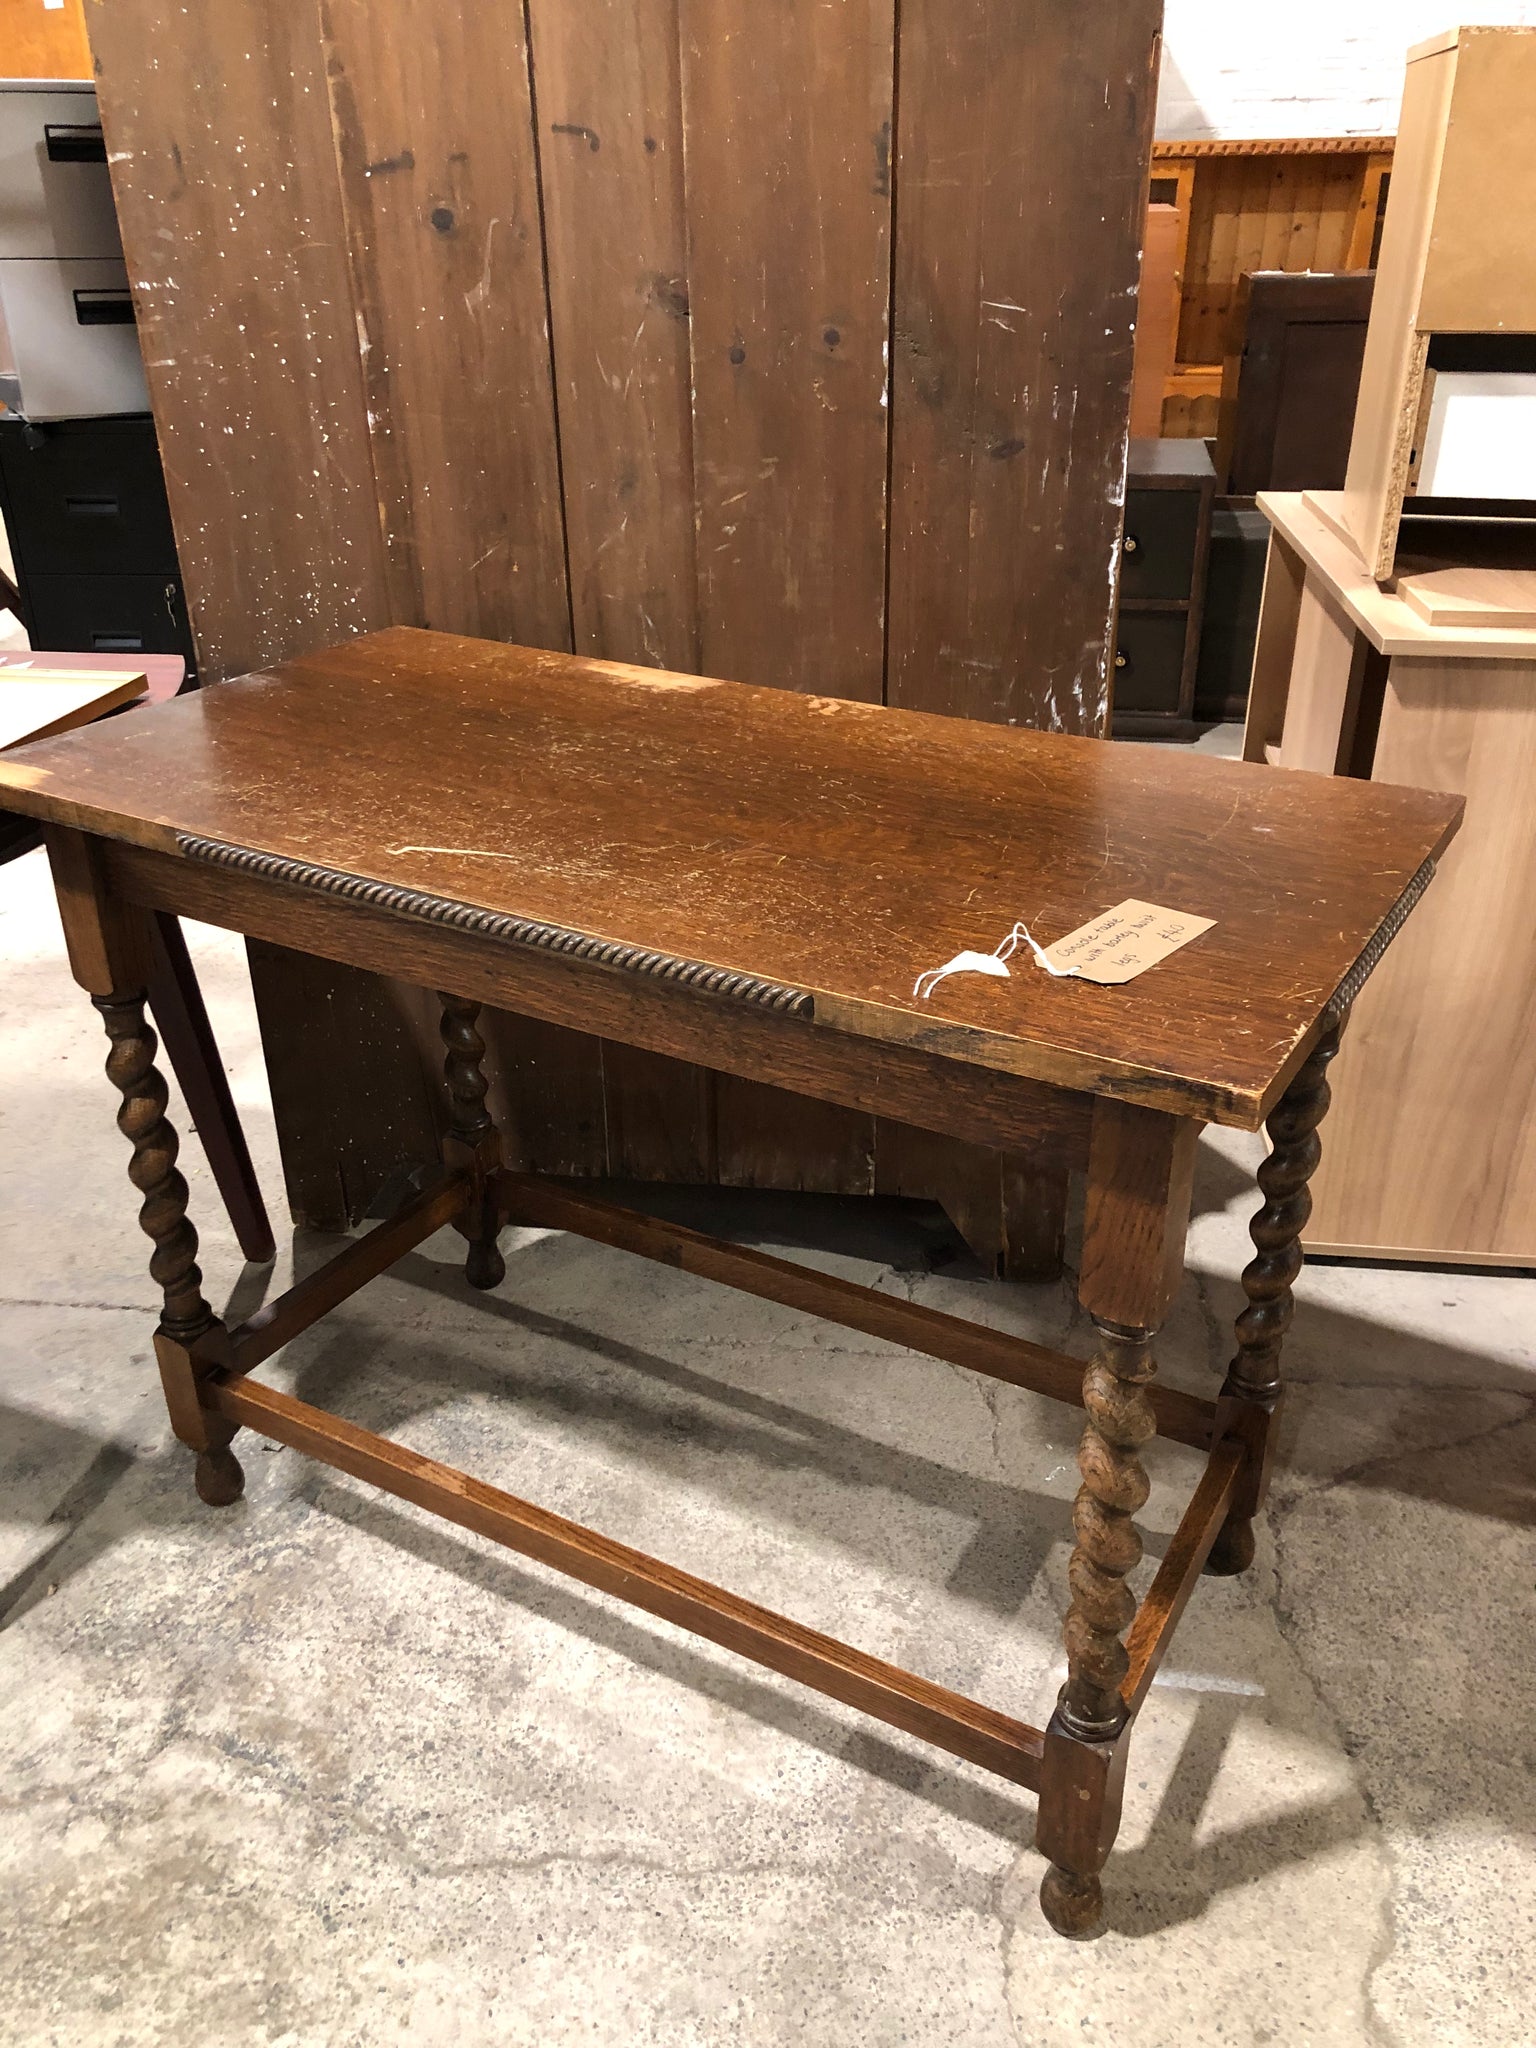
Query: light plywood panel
point(1285, 575)
point(1478, 275)
point(1430, 1149)
point(1393, 367)
point(1321, 672)
point(1310, 522)
point(1157, 315)
point(1472, 597)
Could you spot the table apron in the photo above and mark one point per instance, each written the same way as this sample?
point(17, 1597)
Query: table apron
point(951, 1097)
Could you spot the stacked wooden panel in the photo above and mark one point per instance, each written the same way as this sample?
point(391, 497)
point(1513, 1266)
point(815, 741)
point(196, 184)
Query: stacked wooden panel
point(1297, 204)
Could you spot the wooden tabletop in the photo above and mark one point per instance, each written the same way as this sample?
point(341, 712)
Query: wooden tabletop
point(837, 848)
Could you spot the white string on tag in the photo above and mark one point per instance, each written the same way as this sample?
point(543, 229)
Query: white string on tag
point(994, 963)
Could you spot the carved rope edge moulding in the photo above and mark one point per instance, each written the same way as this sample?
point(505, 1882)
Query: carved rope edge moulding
point(491, 924)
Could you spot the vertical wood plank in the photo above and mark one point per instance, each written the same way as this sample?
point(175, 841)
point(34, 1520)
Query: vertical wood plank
point(787, 138)
point(1024, 138)
point(220, 147)
point(787, 123)
point(219, 140)
point(435, 157)
point(437, 163)
point(767, 1138)
point(660, 1115)
point(354, 1097)
point(611, 155)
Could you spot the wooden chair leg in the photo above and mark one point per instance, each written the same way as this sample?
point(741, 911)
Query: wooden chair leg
point(190, 1046)
point(1251, 1394)
point(472, 1140)
point(1140, 1172)
point(189, 1334)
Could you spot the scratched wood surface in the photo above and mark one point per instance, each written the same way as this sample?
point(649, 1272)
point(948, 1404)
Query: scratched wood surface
point(434, 149)
point(367, 419)
point(611, 153)
point(224, 175)
point(835, 848)
point(788, 331)
point(1021, 165)
point(789, 371)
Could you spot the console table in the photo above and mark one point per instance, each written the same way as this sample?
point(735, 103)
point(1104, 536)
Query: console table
point(753, 879)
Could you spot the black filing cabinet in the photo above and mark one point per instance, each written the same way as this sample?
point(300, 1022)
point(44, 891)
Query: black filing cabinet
point(1162, 587)
point(85, 509)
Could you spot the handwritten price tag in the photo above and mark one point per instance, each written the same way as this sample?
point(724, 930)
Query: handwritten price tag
point(1125, 941)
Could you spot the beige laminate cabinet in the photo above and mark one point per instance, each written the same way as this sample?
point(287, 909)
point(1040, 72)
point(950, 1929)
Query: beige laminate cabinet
point(1429, 1152)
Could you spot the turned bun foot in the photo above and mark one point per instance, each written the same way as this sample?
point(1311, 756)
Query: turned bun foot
point(1232, 1552)
point(1073, 1905)
point(485, 1267)
point(219, 1479)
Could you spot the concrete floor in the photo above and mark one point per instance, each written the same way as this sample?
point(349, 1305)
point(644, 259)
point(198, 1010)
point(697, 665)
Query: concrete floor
point(318, 1771)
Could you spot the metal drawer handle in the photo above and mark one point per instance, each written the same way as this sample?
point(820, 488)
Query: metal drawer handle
point(106, 306)
point(74, 142)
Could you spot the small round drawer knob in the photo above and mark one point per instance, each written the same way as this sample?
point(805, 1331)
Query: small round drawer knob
point(1120, 660)
point(1130, 544)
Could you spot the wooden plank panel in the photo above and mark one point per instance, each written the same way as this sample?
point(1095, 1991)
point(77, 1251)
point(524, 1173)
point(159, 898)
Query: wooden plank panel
point(1390, 377)
point(547, 1093)
point(787, 122)
point(611, 154)
point(351, 1083)
point(1157, 312)
point(1338, 208)
point(435, 156)
point(225, 181)
point(1022, 153)
point(250, 344)
point(660, 1116)
point(765, 1138)
point(1308, 198)
point(438, 169)
point(1197, 265)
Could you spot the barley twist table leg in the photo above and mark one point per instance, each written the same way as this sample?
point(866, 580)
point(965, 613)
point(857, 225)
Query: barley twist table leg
point(186, 1317)
point(1091, 1708)
point(472, 1136)
point(1114, 1487)
point(1250, 1396)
